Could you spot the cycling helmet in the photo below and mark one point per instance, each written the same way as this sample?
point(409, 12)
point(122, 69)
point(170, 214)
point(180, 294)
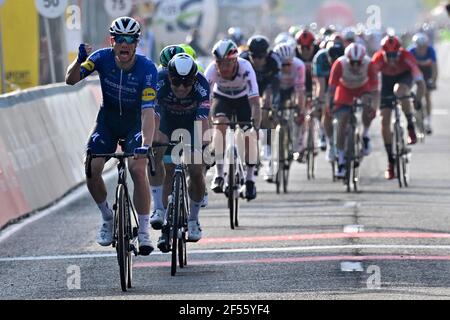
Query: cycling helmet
point(420, 39)
point(189, 50)
point(390, 44)
point(225, 49)
point(168, 53)
point(258, 45)
point(335, 49)
point(285, 51)
point(235, 34)
point(355, 52)
point(125, 26)
point(182, 69)
point(349, 35)
point(305, 38)
point(294, 29)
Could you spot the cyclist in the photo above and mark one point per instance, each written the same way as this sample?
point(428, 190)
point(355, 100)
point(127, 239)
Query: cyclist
point(321, 69)
point(267, 66)
point(292, 84)
point(398, 69)
point(306, 50)
point(353, 76)
point(128, 83)
point(235, 34)
point(235, 89)
point(182, 103)
point(426, 58)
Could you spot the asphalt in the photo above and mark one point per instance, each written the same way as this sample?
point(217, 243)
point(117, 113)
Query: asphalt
point(287, 247)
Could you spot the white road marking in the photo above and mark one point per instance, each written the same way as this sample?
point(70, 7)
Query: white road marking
point(354, 228)
point(351, 266)
point(243, 250)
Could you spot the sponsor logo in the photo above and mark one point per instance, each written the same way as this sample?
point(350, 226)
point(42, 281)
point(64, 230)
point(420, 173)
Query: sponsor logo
point(149, 94)
point(88, 65)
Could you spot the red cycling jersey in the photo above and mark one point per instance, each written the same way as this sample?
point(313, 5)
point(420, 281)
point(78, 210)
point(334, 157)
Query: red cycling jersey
point(406, 62)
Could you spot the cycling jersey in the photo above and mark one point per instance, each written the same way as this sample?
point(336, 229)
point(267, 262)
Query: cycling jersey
point(270, 73)
point(243, 83)
point(344, 75)
point(123, 91)
point(295, 77)
point(125, 95)
point(308, 65)
point(428, 59)
point(405, 62)
point(196, 103)
point(321, 66)
point(350, 82)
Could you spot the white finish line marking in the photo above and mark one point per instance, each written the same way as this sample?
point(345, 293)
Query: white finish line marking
point(246, 250)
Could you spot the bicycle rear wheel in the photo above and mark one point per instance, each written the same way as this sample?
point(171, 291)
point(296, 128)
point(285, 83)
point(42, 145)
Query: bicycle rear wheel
point(310, 148)
point(122, 246)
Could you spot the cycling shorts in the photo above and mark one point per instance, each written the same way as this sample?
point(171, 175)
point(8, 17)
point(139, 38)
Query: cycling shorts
point(388, 84)
point(225, 107)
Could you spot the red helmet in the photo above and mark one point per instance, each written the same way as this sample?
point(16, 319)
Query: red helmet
point(391, 44)
point(305, 38)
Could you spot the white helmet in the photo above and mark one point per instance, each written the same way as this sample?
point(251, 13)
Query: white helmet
point(355, 52)
point(420, 39)
point(285, 51)
point(225, 49)
point(125, 26)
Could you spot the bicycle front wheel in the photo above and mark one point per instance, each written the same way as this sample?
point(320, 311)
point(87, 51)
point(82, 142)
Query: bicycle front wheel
point(398, 152)
point(123, 254)
point(175, 221)
point(231, 187)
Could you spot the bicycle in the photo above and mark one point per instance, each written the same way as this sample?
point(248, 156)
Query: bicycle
point(402, 153)
point(126, 225)
point(353, 145)
point(235, 173)
point(283, 146)
point(176, 226)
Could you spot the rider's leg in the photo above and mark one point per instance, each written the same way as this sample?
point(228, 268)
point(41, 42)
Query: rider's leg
point(97, 188)
point(196, 189)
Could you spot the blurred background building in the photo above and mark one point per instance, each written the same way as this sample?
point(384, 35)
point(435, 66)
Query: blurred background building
point(36, 50)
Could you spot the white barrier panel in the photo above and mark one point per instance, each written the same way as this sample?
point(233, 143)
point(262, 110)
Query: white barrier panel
point(43, 133)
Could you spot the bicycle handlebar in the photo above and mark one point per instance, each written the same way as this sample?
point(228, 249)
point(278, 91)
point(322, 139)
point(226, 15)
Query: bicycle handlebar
point(119, 156)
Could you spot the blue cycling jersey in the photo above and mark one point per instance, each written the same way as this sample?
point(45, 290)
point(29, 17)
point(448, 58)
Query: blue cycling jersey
point(430, 54)
point(197, 102)
point(321, 65)
point(124, 92)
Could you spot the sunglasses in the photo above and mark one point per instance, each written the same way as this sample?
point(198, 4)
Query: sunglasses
point(392, 55)
point(355, 63)
point(176, 82)
point(306, 47)
point(225, 63)
point(127, 39)
point(286, 64)
point(258, 56)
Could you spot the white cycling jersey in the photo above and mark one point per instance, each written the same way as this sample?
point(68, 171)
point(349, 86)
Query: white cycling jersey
point(295, 77)
point(243, 84)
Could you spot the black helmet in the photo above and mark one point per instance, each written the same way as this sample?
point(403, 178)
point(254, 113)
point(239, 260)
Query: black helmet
point(258, 45)
point(335, 49)
point(182, 69)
